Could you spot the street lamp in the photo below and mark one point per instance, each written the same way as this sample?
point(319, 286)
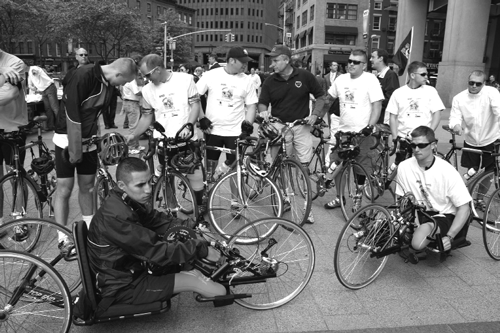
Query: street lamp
point(278, 27)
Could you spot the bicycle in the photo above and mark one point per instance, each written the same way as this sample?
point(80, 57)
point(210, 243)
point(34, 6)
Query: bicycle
point(285, 170)
point(355, 189)
point(374, 232)
point(261, 273)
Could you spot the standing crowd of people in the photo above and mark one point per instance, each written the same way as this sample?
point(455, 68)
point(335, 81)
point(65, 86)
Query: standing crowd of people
point(225, 101)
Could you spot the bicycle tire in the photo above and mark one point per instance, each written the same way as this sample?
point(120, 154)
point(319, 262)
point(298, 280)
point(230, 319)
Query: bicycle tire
point(491, 226)
point(30, 208)
point(184, 206)
point(349, 191)
point(47, 235)
point(293, 182)
point(315, 173)
point(100, 192)
point(262, 200)
point(481, 190)
point(354, 266)
point(49, 295)
point(295, 260)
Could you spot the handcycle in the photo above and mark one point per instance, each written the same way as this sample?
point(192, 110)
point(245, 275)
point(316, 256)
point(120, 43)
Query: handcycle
point(374, 232)
point(258, 272)
point(285, 170)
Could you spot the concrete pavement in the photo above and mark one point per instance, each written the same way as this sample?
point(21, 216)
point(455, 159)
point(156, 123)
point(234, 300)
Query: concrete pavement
point(458, 295)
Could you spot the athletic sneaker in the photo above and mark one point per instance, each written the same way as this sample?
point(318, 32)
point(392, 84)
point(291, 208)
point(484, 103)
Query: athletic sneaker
point(67, 247)
point(21, 232)
point(236, 209)
point(286, 205)
point(310, 219)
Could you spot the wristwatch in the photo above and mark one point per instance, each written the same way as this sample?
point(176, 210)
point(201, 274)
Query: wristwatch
point(450, 238)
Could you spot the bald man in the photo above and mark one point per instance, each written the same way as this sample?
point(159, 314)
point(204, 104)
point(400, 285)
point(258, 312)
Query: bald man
point(82, 56)
point(87, 93)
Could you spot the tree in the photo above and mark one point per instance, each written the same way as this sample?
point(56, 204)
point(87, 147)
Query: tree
point(13, 24)
point(107, 26)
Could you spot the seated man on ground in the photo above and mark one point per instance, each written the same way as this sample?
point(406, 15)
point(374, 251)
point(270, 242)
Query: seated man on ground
point(435, 184)
point(126, 239)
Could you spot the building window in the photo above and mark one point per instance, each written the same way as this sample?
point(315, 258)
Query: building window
point(298, 4)
point(21, 47)
point(138, 4)
point(304, 1)
point(232, 10)
point(237, 9)
point(49, 49)
point(390, 45)
point(392, 23)
point(375, 44)
point(340, 39)
point(377, 20)
point(377, 5)
point(30, 46)
point(340, 11)
point(216, 11)
point(149, 8)
point(158, 10)
point(437, 28)
point(311, 10)
point(304, 18)
point(58, 50)
point(298, 20)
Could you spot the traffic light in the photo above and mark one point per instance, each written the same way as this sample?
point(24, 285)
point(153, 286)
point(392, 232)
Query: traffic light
point(226, 37)
point(232, 37)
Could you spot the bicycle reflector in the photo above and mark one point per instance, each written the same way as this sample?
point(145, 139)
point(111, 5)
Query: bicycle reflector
point(113, 148)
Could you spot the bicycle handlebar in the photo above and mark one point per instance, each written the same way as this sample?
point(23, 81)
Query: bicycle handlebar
point(157, 126)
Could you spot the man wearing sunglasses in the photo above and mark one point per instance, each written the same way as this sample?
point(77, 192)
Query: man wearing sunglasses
point(435, 184)
point(413, 105)
point(82, 57)
point(474, 113)
point(360, 98)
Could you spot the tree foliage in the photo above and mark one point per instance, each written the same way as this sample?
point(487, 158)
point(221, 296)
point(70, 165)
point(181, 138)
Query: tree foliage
point(12, 22)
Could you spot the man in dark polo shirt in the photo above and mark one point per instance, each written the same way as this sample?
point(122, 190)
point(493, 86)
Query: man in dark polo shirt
point(287, 91)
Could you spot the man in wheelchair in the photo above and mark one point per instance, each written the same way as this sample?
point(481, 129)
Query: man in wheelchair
point(132, 261)
point(437, 185)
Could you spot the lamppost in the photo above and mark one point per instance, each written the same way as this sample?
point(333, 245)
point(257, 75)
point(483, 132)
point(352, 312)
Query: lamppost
point(278, 27)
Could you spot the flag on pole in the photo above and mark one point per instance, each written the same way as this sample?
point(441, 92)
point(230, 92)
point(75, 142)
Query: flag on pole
point(403, 54)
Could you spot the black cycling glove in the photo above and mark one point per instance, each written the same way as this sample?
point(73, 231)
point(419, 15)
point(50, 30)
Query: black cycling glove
point(205, 123)
point(246, 127)
point(367, 130)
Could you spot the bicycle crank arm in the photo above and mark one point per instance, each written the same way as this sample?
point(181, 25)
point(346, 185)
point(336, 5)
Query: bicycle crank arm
point(222, 300)
point(386, 252)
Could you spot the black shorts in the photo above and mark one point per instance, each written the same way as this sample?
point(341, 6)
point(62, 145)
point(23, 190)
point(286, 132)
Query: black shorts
point(64, 169)
point(6, 151)
point(444, 222)
point(147, 289)
point(221, 141)
point(476, 161)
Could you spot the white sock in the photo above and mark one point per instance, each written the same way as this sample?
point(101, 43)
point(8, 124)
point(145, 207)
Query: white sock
point(87, 219)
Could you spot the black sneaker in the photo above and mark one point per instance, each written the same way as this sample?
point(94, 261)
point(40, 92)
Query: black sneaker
point(67, 247)
point(21, 232)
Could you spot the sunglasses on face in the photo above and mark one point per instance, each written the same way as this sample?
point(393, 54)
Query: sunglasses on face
point(355, 62)
point(148, 74)
point(83, 55)
point(419, 145)
point(475, 84)
point(422, 74)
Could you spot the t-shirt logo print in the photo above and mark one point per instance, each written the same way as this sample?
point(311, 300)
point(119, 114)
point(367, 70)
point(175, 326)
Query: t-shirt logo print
point(227, 96)
point(298, 84)
point(168, 103)
point(349, 96)
point(414, 105)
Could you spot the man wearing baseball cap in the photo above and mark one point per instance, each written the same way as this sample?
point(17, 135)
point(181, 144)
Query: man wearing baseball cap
point(287, 91)
point(230, 93)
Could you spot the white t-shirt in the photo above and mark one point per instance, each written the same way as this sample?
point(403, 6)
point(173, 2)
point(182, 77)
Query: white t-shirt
point(414, 107)
point(129, 91)
point(356, 98)
point(227, 97)
point(171, 102)
point(256, 80)
point(443, 186)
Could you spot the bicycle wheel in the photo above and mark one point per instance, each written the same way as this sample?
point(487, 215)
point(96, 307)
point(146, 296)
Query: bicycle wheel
point(287, 254)
point(354, 196)
point(41, 239)
point(295, 187)
point(101, 192)
point(227, 212)
point(481, 189)
point(315, 174)
point(491, 226)
point(17, 206)
point(174, 195)
point(45, 304)
point(367, 231)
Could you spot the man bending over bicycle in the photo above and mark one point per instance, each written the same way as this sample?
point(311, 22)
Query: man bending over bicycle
point(133, 263)
point(287, 92)
point(173, 100)
point(360, 98)
point(436, 184)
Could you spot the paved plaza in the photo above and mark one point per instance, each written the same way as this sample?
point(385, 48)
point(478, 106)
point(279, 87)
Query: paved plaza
point(458, 295)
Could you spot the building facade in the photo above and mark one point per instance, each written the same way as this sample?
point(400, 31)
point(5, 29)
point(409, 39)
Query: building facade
point(245, 20)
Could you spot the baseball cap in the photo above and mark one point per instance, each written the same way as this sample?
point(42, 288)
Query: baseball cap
point(238, 53)
point(279, 50)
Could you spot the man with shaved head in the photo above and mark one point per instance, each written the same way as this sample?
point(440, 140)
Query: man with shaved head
point(82, 56)
point(87, 93)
